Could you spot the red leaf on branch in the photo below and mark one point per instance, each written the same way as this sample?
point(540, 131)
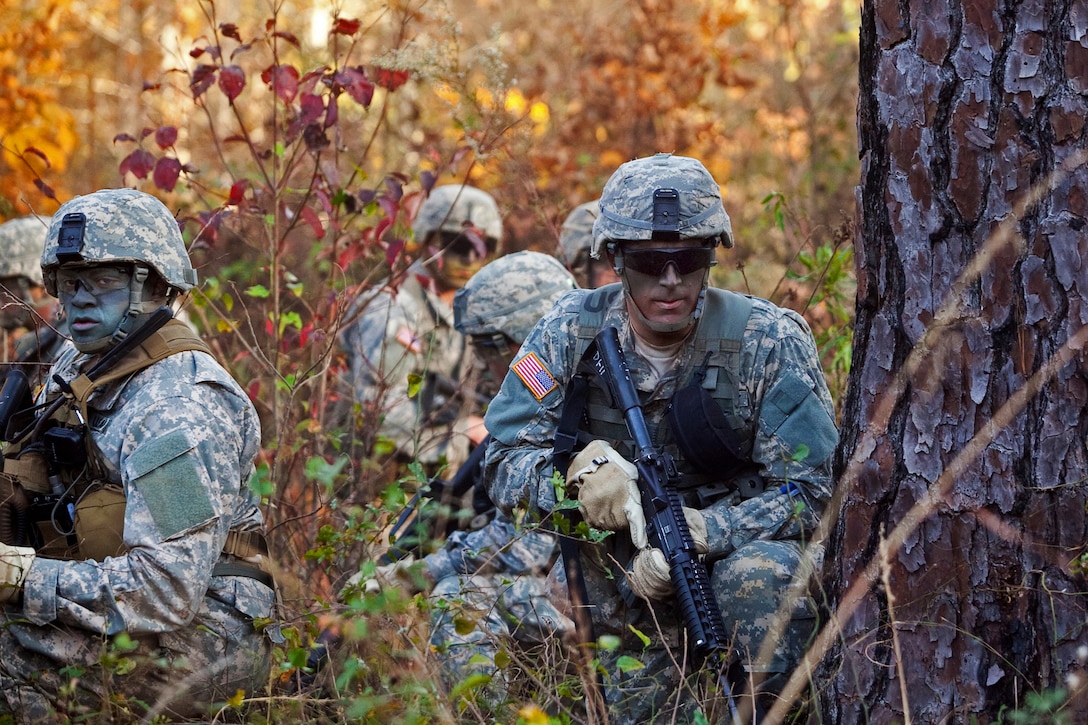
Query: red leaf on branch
point(230, 30)
point(237, 192)
point(332, 115)
point(311, 107)
point(289, 37)
point(45, 189)
point(165, 136)
point(391, 80)
point(283, 80)
point(232, 79)
point(203, 77)
point(393, 249)
point(357, 85)
point(346, 26)
point(310, 217)
point(39, 153)
point(139, 163)
point(166, 174)
point(123, 137)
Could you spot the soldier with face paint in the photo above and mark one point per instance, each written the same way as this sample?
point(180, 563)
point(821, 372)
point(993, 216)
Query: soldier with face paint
point(29, 317)
point(732, 390)
point(145, 451)
point(406, 332)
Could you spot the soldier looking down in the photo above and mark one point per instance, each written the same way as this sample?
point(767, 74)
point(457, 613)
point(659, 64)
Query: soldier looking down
point(493, 576)
point(408, 331)
point(732, 390)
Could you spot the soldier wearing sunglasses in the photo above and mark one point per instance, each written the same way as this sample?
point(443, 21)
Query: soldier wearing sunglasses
point(407, 332)
point(732, 390)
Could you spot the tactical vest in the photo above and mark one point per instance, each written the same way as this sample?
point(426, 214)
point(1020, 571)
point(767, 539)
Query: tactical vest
point(717, 347)
point(87, 521)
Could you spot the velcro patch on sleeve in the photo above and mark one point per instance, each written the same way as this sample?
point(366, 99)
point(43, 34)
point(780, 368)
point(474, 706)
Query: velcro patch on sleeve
point(165, 471)
point(535, 376)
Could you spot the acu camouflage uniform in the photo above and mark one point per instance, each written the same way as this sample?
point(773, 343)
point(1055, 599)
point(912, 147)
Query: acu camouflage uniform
point(32, 344)
point(178, 440)
point(496, 575)
point(410, 331)
point(769, 381)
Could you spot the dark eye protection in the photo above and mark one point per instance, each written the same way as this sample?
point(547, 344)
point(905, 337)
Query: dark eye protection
point(654, 261)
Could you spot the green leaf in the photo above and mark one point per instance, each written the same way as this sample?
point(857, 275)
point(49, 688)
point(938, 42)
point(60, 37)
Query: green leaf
point(628, 664)
point(415, 382)
point(258, 290)
point(642, 636)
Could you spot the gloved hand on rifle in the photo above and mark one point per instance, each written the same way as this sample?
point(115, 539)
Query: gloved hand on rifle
point(606, 485)
point(406, 574)
point(649, 576)
point(15, 563)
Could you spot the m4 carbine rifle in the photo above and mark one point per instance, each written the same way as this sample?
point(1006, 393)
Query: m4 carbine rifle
point(663, 507)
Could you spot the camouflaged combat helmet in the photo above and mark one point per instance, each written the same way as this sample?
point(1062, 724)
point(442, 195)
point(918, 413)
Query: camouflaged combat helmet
point(576, 233)
point(448, 209)
point(637, 204)
point(21, 244)
point(122, 226)
point(509, 295)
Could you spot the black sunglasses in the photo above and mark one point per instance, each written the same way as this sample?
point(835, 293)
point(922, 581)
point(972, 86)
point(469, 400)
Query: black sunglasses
point(462, 245)
point(654, 261)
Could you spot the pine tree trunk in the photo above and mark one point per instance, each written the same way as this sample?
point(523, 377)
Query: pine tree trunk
point(965, 110)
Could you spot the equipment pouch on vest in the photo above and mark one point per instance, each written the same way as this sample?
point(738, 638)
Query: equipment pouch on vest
point(701, 430)
point(100, 521)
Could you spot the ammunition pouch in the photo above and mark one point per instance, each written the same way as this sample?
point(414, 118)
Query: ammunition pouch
point(100, 522)
point(701, 429)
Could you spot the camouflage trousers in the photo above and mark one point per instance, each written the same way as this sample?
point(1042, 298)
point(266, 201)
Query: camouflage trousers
point(750, 586)
point(53, 672)
point(474, 618)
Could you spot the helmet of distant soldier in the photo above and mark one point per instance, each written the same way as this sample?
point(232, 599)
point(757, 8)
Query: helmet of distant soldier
point(124, 227)
point(453, 207)
point(576, 233)
point(509, 295)
point(661, 197)
point(21, 244)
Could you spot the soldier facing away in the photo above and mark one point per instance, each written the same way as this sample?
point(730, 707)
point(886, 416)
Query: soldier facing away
point(731, 388)
point(143, 453)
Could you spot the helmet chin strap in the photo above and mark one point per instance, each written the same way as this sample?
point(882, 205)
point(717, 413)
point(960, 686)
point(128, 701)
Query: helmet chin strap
point(136, 307)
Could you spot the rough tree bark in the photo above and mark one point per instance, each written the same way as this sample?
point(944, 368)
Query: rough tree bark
point(965, 109)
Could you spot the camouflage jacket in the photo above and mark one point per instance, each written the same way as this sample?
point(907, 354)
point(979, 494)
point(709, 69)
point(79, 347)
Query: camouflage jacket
point(501, 547)
point(398, 335)
point(180, 437)
point(777, 344)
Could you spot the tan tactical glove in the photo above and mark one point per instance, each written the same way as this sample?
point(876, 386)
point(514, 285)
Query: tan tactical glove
point(15, 562)
point(606, 485)
point(403, 573)
point(649, 576)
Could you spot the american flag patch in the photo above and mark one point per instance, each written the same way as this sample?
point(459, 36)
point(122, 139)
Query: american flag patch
point(535, 376)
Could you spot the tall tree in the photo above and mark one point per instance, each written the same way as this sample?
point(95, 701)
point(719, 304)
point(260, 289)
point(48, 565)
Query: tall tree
point(956, 561)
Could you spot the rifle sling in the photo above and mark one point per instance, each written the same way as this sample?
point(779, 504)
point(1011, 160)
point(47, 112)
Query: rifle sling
point(566, 436)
